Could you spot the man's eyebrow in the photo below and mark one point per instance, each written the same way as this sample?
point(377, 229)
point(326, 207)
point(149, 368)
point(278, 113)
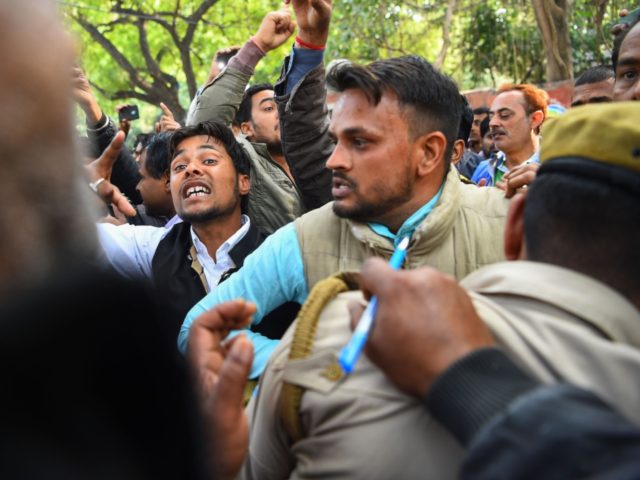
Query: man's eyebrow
point(354, 131)
point(204, 146)
point(207, 146)
point(627, 62)
point(501, 110)
point(268, 99)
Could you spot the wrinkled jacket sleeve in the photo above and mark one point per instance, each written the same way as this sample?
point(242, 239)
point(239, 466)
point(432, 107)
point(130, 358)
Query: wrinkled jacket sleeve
point(125, 174)
point(559, 431)
point(304, 127)
point(219, 101)
point(515, 428)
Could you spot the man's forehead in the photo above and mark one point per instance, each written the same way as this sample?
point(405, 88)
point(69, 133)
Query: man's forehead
point(353, 112)
point(262, 96)
point(630, 48)
point(513, 100)
point(603, 86)
point(200, 142)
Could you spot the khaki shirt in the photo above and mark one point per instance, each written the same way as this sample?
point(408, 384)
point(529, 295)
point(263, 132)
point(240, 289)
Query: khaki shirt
point(557, 324)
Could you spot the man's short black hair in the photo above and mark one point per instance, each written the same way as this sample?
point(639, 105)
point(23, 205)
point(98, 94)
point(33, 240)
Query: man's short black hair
point(587, 225)
point(219, 132)
point(484, 126)
point(143, 139)
point(157, 161)
point(617, 43)
point(595, 74)
point(244, 110)
point(466, 119)
point(432, 98)
point(481, 111)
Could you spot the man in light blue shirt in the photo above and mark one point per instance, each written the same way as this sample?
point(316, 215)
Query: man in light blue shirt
point(391, 178)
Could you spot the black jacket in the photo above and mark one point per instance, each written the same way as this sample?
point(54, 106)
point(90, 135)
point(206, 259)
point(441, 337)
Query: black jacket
point(180, 286)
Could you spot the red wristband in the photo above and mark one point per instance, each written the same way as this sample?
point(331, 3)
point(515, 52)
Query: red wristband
point(310, 46)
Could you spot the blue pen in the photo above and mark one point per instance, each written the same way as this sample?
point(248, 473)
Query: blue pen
point(351, 351)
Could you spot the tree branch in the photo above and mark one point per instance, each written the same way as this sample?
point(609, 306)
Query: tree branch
point(446, 28)
point(185, 44)
point(111, 49)
point(161, 79)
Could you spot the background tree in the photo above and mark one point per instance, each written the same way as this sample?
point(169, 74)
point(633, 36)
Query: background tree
point(160, 50)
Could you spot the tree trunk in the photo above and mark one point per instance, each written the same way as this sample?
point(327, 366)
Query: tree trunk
point(446, 29)
point(551, 16)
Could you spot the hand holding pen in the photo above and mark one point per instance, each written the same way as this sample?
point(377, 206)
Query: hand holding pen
point(351, 352)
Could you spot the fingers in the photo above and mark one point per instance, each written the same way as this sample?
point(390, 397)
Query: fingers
point(482, 182)
point(206, 350)
point(520, 178)
point(375, 275)
point(233, 374)
point(355, 312)
point(214, 324)
point(112, 194)
point(166, 110)
point(105, 162)
point(323, 6)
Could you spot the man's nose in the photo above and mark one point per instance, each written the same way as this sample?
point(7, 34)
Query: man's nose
point(339, 159)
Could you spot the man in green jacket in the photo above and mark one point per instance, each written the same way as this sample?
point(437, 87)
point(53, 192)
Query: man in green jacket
point(275, 199)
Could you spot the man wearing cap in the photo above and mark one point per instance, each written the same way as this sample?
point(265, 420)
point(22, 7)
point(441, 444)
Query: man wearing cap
point(566, 309)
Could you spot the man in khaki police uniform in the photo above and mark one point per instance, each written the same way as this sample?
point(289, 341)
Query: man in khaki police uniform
point(566, 310)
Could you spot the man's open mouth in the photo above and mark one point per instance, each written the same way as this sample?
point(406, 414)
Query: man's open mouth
point(197, 191)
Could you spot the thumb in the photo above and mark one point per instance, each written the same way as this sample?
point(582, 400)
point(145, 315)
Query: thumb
point(482, 182)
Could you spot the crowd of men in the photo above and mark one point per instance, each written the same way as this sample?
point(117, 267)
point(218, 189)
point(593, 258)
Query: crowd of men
point(254, 232)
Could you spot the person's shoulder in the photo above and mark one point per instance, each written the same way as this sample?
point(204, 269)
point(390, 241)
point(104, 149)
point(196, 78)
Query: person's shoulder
point(483, 200)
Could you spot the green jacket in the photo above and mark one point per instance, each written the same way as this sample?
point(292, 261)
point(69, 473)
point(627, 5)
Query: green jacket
point(274, 200)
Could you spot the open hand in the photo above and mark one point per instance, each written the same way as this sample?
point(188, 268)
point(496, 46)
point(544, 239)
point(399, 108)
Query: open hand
point(99, 172)
point(222, 370)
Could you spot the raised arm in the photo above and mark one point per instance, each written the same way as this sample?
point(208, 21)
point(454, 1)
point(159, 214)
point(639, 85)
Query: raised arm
point(220, 99)
point(301, 99)
point(101, 131)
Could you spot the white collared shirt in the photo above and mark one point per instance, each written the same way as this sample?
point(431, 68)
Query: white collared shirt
point(130, 249)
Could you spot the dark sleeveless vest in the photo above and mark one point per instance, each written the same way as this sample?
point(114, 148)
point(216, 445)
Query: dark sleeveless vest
point(180, 279)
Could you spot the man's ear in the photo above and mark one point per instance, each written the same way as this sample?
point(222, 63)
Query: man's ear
point(244, 184)
point(537, 118)
point(431, 148)
point(458, 151)
point(166, 176)
point(514, 244)
point(246, 128)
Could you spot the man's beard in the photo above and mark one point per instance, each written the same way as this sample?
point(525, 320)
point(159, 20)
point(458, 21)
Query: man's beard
point(369, 211)
point(275, 147)
point(214, 212)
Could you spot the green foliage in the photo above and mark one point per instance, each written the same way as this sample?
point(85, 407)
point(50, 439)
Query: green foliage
point(491, 41)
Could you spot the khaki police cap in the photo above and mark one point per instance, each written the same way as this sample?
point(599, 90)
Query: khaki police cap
point(608, 133)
